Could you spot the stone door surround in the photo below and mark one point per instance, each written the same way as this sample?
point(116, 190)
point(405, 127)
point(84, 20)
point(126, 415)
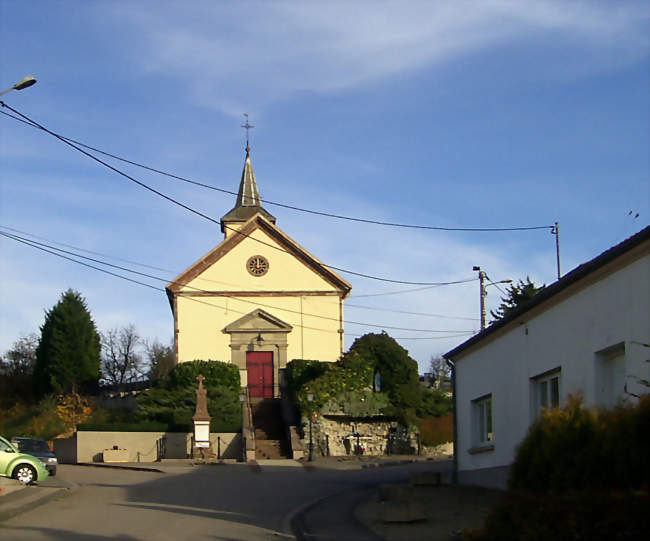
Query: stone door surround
point(259, 331)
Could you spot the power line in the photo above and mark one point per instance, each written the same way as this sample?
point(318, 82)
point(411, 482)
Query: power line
point(194, 211)
point(51, 241)
point(31, 243)
point(457, 335)
point(402, 291)
point(275, 203)
point(495, 285)
point(425, 314)
point(198, 290)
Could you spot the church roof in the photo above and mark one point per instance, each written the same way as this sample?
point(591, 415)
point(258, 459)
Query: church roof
point(248, 198)
point(286, 243)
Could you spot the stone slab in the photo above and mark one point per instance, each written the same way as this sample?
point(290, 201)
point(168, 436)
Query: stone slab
point(425, 479)
point(115, 455)
point(403, 511)
point(391, 492)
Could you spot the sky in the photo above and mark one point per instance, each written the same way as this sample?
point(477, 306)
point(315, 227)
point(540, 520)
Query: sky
point(455, 114)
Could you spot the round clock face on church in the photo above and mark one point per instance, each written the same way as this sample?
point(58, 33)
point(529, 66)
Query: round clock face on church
point(257, 265)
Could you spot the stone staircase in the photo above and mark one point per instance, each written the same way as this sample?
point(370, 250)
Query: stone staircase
point(270, 441)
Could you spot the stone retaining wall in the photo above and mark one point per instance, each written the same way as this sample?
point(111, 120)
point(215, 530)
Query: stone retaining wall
point(336, 435)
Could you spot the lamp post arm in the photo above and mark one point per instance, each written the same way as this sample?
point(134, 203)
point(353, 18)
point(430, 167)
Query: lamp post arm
point(25, 82)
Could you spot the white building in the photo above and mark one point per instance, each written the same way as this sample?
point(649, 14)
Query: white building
point(589, 332)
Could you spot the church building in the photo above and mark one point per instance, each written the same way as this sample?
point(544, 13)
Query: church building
point(258, 299)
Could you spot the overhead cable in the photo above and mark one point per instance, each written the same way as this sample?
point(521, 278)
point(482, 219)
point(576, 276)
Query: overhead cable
point(49, 249)
point(198, 213)
point(14, 230)
point(275, 203)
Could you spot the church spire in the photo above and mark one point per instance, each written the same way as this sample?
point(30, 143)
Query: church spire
point(248, 197)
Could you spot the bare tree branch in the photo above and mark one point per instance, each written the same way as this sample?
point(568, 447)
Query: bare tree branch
point(122, 361)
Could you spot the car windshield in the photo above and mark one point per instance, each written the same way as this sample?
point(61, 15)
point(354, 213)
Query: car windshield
point(32, 446)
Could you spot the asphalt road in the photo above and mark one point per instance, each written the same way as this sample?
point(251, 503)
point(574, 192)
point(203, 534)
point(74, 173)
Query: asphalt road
point(220, 502)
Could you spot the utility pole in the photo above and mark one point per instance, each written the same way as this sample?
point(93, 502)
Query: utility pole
point(482, 276)
point(555, 230)
point(483, 293)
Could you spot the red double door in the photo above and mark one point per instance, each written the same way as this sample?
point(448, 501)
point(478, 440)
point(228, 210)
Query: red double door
point(259, 365)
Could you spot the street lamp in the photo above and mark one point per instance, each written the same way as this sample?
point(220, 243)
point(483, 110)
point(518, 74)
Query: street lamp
point(483, 290)
point(310, 399)
point(25, 82)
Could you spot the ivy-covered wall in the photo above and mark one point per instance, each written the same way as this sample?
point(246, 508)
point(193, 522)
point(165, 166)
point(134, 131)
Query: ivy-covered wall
point(341, 435)
point(375, 386)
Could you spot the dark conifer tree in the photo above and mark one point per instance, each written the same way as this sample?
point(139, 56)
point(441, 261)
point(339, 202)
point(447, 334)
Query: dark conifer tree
point(68, 353)
point(518, 294)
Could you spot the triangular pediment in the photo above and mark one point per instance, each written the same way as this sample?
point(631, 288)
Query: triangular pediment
point(284, 244)
point(258, 321)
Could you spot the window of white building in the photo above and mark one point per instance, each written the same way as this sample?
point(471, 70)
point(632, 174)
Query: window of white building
point(546, 390)
point(610, 377)
point(482, 413)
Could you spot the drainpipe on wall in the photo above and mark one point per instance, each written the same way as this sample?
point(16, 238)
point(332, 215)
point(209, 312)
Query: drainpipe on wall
point(454, 475)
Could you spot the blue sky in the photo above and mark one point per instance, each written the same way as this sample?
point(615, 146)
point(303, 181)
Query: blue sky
point(454, 114)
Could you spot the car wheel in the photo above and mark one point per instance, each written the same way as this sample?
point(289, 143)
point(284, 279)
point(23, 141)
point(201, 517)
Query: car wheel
point(25, 474)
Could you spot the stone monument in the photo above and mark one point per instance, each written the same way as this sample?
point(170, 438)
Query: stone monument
point(201, 420)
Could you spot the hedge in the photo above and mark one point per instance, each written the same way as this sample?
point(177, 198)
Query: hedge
point(577, 448)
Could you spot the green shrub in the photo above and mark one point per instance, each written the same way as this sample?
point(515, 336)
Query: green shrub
point(575, 448)
point(354, 373)
point(434, 403)
point(40, 420)
point(300, 371)
point(173, 402)
point(398, 372)
point(580, 516)
point(216, 373)
point(397, 369)
point(362, 403)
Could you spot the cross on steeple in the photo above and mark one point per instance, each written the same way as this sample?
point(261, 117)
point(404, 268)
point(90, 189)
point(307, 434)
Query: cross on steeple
point(247, 126)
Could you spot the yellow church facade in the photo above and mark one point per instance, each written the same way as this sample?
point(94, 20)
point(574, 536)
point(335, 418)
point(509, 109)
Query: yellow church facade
point(258, 299)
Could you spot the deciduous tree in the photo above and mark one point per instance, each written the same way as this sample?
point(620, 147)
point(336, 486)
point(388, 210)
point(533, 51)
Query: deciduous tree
point(439, 369)
point(122, 360)
point(161, 360)
point(17, 370)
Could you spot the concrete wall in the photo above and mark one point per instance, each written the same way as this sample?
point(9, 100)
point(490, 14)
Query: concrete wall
point(486, 477)
point(65, 450)
point(593, 332)
point(142, 446)
point(200, 324)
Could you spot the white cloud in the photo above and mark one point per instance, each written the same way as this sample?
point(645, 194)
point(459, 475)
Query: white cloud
point(236, 57)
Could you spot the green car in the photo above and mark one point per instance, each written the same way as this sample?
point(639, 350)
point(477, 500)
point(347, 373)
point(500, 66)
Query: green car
point(26, 468)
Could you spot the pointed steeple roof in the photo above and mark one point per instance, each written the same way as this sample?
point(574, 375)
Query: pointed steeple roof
point(248, 197)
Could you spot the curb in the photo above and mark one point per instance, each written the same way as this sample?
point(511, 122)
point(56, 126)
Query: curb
point(117, 467)
point(12, 506)
point(294, 521)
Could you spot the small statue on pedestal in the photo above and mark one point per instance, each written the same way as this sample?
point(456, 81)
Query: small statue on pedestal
point(201, 420)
